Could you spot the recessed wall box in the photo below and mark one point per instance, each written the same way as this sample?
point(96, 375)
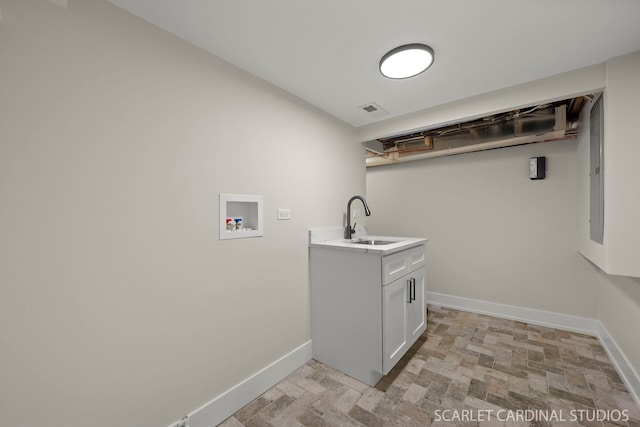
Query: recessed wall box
point(537, 167)
point(240, 216)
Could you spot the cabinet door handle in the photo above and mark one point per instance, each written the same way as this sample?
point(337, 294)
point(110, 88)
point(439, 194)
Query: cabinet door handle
point(409, 290)
point(413, 286)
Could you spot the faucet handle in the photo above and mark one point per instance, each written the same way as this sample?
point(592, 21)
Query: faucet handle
point(348, 231)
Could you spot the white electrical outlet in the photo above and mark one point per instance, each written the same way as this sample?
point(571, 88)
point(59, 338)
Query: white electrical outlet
point(284, 214)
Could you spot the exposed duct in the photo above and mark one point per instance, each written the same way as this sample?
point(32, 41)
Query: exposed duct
point(540, 123)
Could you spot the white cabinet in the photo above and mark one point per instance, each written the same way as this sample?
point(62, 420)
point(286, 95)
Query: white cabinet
point(367, 307)
point(403, 312)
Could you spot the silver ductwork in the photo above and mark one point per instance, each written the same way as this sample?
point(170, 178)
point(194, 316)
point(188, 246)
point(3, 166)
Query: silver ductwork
point(541, 123)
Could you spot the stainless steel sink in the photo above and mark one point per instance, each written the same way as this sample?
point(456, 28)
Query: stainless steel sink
point(373, 242)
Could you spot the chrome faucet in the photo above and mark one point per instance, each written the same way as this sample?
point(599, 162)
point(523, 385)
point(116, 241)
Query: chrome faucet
point(348, 231)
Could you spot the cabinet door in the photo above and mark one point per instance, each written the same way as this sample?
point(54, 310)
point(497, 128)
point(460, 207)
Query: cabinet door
point(395, 297)
point(416, 310)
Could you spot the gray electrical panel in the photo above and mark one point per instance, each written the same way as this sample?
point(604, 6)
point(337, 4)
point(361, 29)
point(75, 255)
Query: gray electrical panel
point(596, 173)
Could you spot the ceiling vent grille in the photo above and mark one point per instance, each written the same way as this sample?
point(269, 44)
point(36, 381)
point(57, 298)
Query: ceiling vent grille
point(373, 110)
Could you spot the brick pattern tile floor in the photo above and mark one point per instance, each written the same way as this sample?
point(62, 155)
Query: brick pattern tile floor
point(467, 369)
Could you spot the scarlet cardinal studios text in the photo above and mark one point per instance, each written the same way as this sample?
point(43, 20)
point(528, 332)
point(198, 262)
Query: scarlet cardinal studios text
point(578, 415)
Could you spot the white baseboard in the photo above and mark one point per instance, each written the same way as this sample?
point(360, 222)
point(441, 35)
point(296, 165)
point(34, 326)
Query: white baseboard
point(549, 319)
point(625, 369)
point(234, 399)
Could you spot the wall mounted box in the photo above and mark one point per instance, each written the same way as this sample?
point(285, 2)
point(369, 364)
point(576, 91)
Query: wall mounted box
point(537, 167)
point(240, 216)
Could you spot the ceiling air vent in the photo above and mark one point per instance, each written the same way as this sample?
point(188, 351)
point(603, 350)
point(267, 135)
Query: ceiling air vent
point(373, 110)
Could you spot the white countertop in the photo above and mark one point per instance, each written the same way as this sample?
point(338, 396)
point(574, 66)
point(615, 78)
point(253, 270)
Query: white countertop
point(330, 238)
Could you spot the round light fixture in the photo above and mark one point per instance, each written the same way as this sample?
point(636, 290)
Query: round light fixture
point(406, 61)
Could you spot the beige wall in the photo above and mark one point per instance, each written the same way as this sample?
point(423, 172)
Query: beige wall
point(619, 311)
point(119, 306)
point(495, 235)
point(618, 296)
point(622, 175)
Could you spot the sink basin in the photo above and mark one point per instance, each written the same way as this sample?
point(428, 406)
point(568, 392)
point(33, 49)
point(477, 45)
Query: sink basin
point(374, 242)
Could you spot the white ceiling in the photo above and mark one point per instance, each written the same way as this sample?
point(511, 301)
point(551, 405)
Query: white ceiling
point(327, 51)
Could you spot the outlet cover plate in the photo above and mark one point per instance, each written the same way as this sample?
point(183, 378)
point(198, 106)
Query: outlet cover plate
point(284, 214)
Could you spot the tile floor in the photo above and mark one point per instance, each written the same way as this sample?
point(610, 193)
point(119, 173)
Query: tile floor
point(466, 369)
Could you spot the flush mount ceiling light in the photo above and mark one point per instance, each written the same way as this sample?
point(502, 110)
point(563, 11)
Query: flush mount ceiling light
point(406, 61)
